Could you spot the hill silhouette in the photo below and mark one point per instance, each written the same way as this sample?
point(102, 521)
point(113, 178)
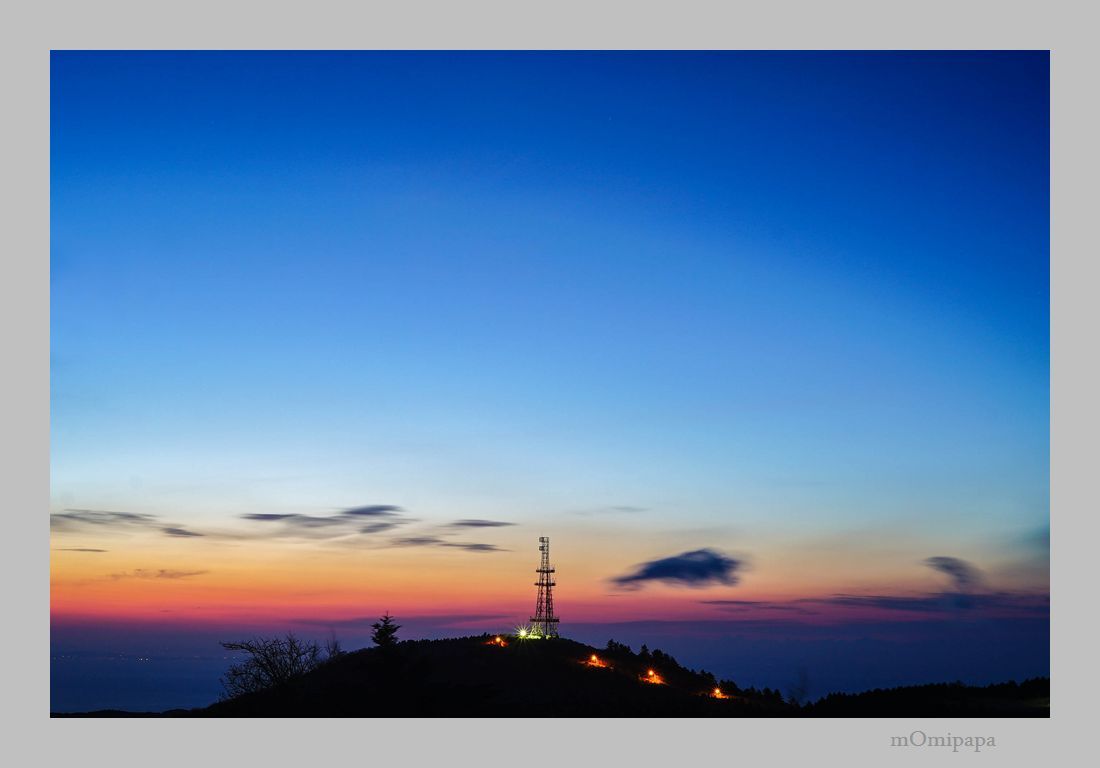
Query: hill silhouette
point(1031, 698)
point(474, 676)
point(483, 677)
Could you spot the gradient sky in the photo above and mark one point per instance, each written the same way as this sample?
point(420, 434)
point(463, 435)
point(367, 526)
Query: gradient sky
point(789, 308)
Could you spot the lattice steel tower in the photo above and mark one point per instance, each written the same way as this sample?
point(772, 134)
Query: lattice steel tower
point(544, 621)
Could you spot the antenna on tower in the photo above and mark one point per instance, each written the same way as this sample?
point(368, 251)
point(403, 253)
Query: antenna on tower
point(544, 622)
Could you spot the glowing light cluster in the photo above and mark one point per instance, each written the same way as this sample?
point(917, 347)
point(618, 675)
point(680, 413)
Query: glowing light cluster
point(595, 661)
point(526, 632)
point(651, 676)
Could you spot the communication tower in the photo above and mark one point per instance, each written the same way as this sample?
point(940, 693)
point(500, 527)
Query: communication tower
point(544, 622)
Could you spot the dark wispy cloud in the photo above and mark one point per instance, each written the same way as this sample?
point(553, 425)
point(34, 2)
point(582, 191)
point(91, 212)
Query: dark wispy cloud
point(71, 519)
point(920, 603)
point(942, 602)
point(379, 527)
point(159, 573)
point(963, 575)
point(373, 518)
point(1037, 538)
point(418, 541)
point(352, 526)
point(373, 510)
point(621, 509)
point(80, 549)
point(697, 568)
point(747, 606)
point(435, 541)
point(177, 531)
point(103, 519)
point(295, 520)
point(965, 593)
point(474, 547)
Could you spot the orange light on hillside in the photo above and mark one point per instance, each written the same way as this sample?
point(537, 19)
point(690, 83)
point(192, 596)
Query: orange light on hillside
point(594, 657)
point(717, 693)
point(498, 640)
point(652, 677)
point(594, 661)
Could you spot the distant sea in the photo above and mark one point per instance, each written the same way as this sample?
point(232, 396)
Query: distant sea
point(158, 667)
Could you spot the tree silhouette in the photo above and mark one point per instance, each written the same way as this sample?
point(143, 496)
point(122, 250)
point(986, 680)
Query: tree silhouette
point(332, 646)
point(617, 647)
point(270, 662)
point(385, 631)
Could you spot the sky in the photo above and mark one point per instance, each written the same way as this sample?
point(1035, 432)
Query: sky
point(760, 340)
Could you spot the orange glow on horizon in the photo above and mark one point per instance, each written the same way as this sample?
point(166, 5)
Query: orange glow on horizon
point(155, 579)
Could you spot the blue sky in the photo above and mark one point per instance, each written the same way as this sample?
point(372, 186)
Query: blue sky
point(560, 279)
